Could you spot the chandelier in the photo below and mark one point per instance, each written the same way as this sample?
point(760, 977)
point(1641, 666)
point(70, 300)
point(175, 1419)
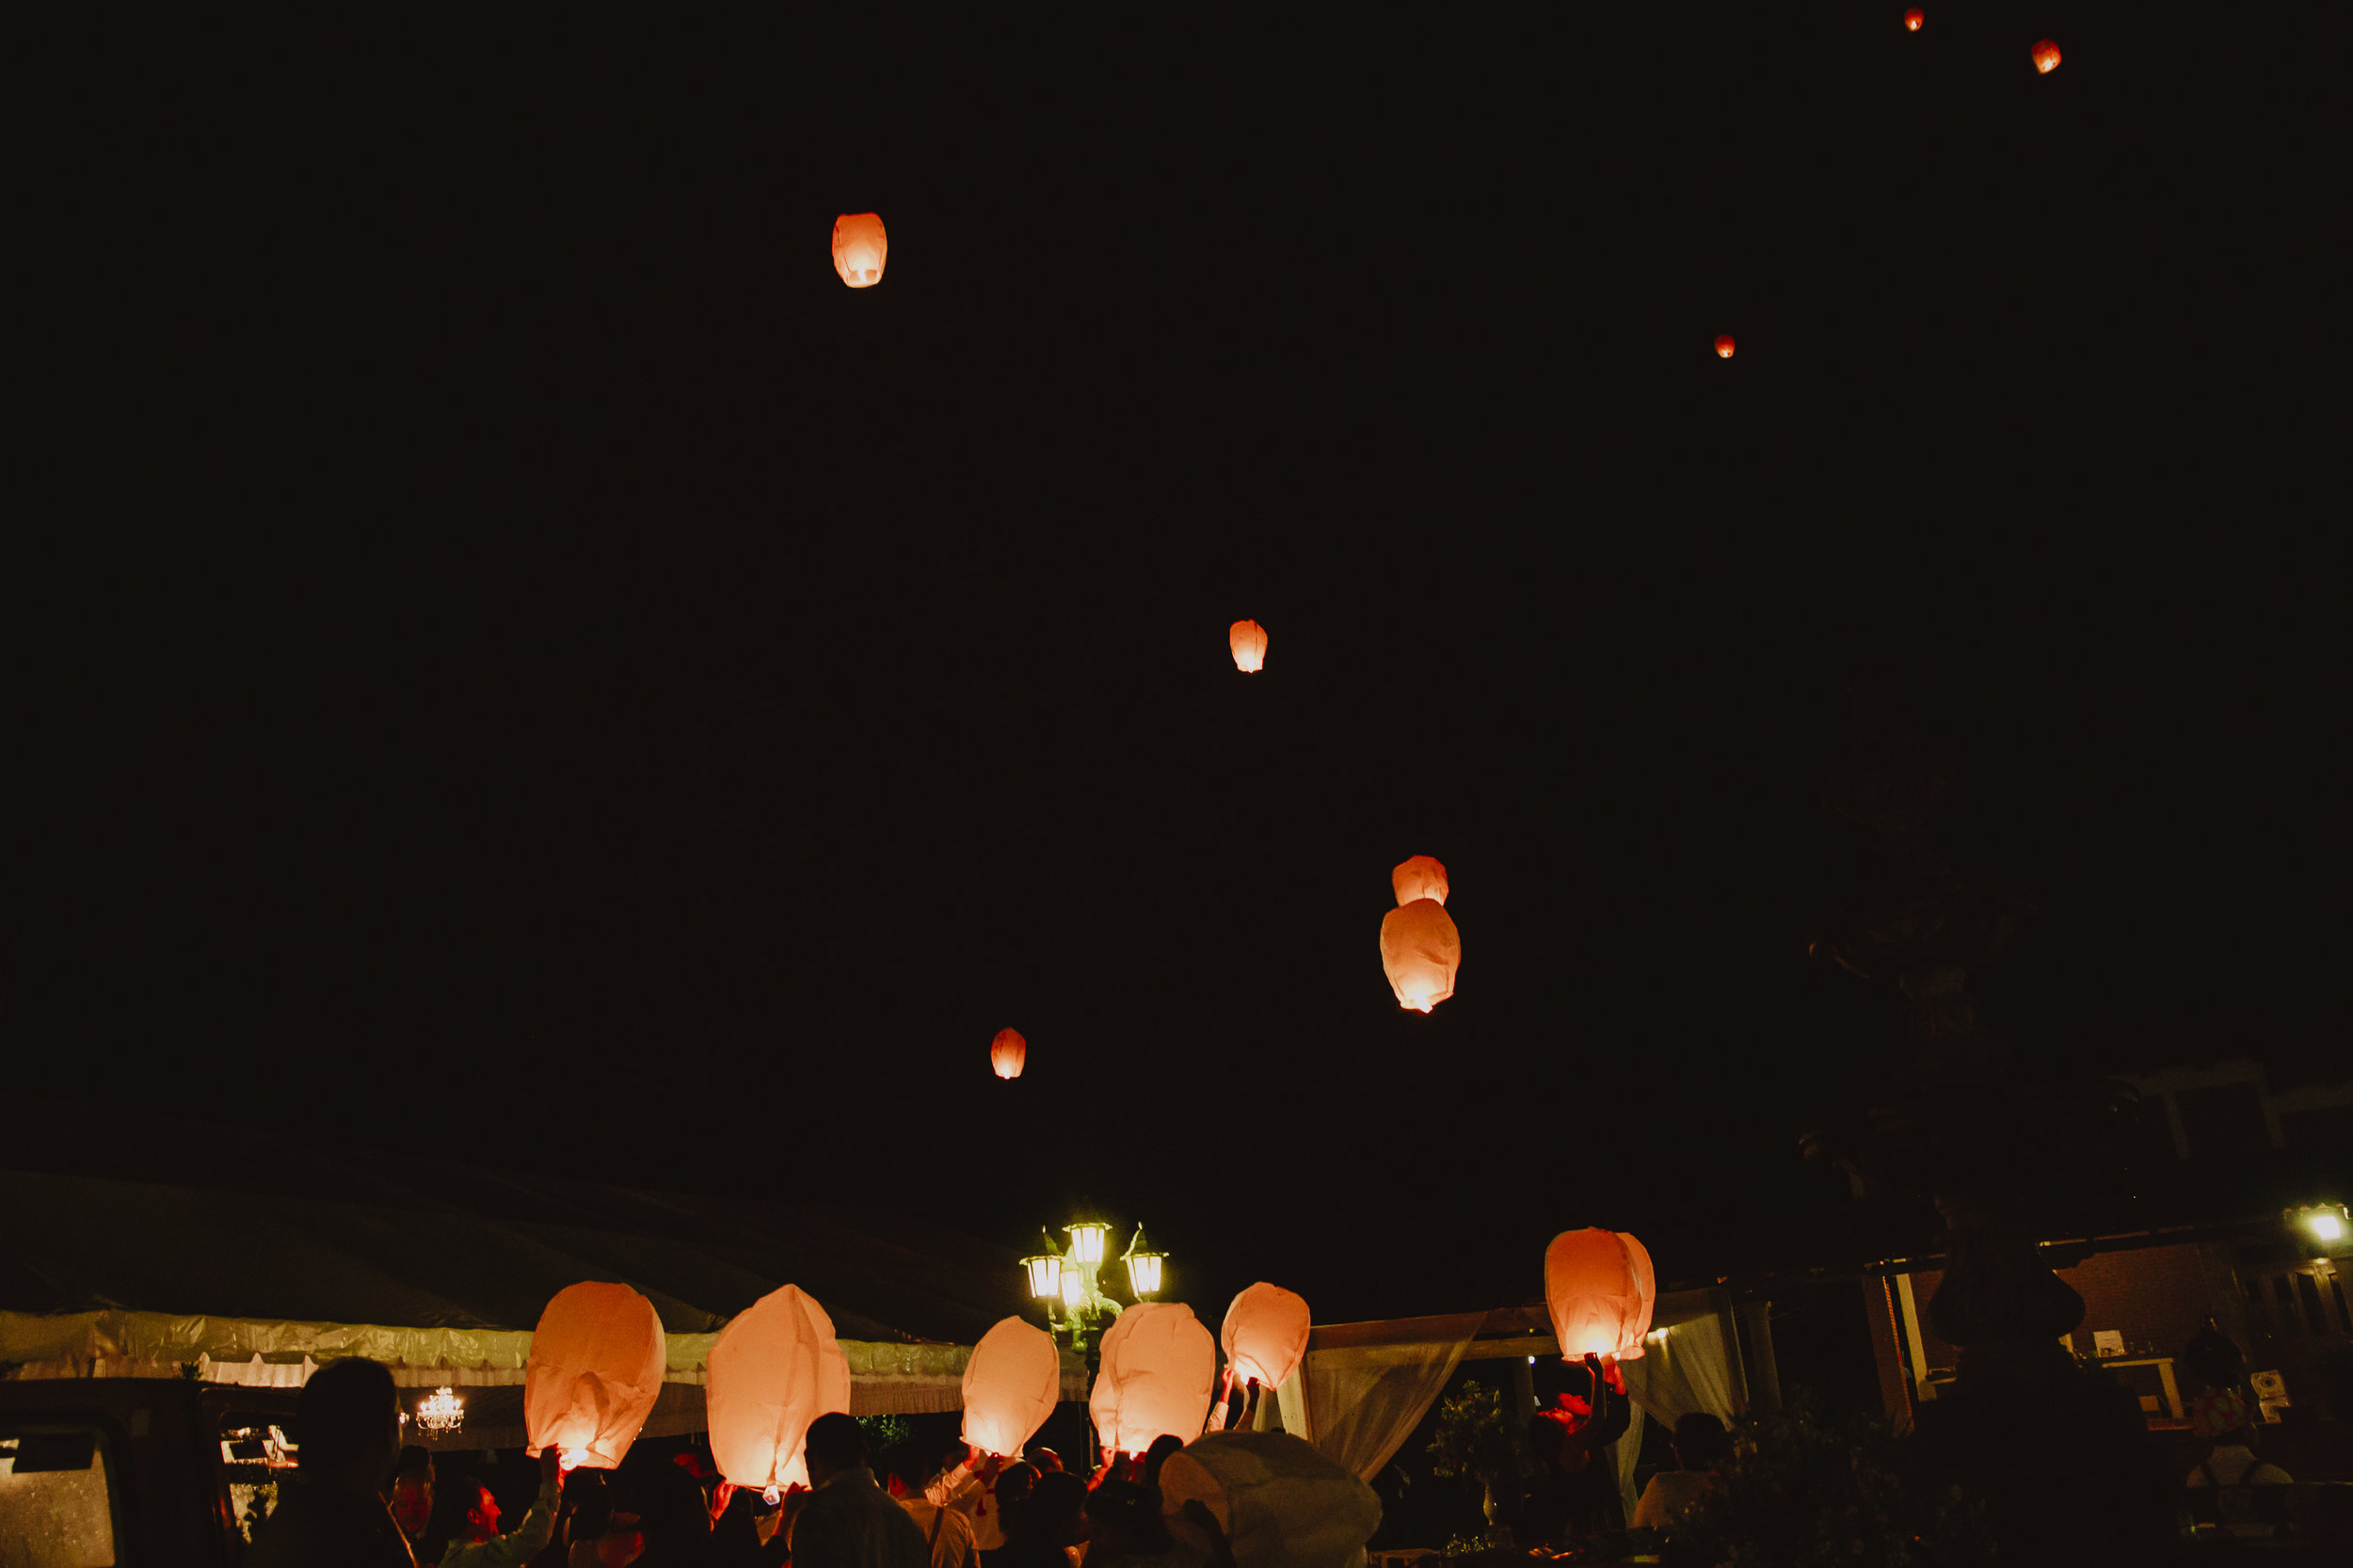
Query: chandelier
point(441, 1411)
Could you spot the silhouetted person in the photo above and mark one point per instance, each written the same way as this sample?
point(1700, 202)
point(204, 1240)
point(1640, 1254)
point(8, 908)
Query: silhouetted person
point(672, 1518)
point(479, 1545)
point(2233, 1463)
point(1575, 1490)
point(1157, 1455)
point(947, 1533)
point(413, 1497)
point(849, 1522)
point(1050, 1520)
point(1125, 1530)
point(1701, 1443)
point(1011, 1490)
point(332, 1514)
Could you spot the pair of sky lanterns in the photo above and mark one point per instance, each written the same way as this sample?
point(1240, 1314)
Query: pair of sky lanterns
point(1420, 949)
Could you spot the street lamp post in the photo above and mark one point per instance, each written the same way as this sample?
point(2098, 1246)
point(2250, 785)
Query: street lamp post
point(1068, 1281)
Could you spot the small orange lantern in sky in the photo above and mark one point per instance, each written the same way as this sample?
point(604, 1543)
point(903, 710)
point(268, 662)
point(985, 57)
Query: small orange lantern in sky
point(1600, 1289)
point(1724, 346)
point(1008, 1052)
point(2046, 56)
point(1913, 19)
point(1420, 950)
point(1247, 638)
point(859, 246)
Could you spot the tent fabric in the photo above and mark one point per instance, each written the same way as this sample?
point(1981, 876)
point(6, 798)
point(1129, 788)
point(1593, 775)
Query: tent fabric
point(1358, 1405)
point(1689, 1370)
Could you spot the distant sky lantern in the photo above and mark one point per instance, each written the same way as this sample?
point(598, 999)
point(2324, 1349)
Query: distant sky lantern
point(1913, 19)
point(1724, 346)
point(1600, 1289)
point(858, 247)
point(593, 1372)
point(1159, 1369)
point(1008, 1052)
point(1265, 1335)
point(1421, 877)
point(1247, 638)
point(2046, 56)
point(1420, 950)
point(774, 1369)
point(1011, 1386)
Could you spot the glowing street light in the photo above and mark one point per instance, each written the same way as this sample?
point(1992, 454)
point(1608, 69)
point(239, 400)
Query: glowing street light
point(1068, 1280)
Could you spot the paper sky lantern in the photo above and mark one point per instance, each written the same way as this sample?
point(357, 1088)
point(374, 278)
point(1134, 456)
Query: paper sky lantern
point(773, 1369)
point(1247, 638)
point(1420, 950)
point(1599, 1286)
point(1011, 1386)
point(1159, 1369)
point(1421, 877)
point(594, 1373)
point(2046, 56)
point(1265, 1335)
point(1913, 19)
point(1008, 1052)
point(1281, 1503)
point(1724, 346)
point(858, 247)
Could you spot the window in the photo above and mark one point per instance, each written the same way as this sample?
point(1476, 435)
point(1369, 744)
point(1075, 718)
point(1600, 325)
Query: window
point(57, 1509)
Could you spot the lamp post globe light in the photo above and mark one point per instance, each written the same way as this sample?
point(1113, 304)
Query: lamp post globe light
point(1068, 1281)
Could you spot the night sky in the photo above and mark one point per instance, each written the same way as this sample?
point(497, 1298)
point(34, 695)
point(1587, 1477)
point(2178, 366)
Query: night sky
point(510, 660)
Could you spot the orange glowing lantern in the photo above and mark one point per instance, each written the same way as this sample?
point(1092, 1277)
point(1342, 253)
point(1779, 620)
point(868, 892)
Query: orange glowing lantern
point(1247, 638)
point(1421, 877)
point(1724, 346)
point(594, 1373)
point(1913, 19)
point(1159, 1369)
point(774, 1369)
point(1010, 1387)
point(1008, 1053)
point(1420, 950)
point(1599, 1286)
point(859, 246)
point(2046, 56)
point(1265, 1335)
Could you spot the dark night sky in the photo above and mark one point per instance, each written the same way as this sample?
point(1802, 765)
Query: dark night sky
point(511, 648)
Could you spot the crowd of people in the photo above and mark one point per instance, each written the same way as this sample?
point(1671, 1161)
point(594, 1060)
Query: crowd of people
point(361, 1500)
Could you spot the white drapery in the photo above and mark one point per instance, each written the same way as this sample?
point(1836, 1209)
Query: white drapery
point(1358, 1404)
point(1684, 1369)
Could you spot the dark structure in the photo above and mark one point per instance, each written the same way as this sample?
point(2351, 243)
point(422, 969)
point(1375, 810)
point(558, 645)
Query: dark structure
point(2004, 1153)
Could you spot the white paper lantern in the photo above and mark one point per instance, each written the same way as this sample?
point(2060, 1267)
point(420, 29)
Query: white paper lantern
point(775, 1369)
point(1599, 1286)
point(1011, 1386)
point(1158, 1370)
point(594, 1373)
point(1281, 1502)
point(1265, 1335)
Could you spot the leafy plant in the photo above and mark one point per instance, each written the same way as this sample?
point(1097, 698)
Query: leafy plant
point(1476, 1439)
point(884, 1432)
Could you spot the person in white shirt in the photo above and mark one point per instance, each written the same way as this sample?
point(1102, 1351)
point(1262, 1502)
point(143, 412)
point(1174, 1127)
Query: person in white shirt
point(971, 1489)
point(483, 1546)
point(946, 1530)
point(2235, 1463)
point(1700, 1443)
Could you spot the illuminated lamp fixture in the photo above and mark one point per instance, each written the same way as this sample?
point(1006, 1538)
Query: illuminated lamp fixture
point(1144, 1267)
point(2325, 1223)
point(1074, 1288)
point(1045, 1276)
point(1086, 1241)
point(441, 1411)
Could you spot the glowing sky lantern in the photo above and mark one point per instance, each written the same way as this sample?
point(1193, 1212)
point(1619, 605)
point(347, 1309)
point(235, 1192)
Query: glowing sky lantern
point(1600, 1289)
point(859, 246)
point(1724, 346)
point(774, 1369)
point(1010, 1387)
point(1247, 638)
point(1158, 1370)
point(1008, 1052)
point(1420, 950)
point(1913, 19)
point(2046, 56)
point(1265, 1335)
point(594, 1373)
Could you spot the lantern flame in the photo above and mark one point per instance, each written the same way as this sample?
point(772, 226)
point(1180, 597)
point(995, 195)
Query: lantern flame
point(1724, 346)
point(1913, 19)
